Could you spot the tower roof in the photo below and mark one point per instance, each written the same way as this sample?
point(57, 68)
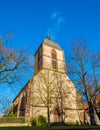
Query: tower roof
point(50, 42)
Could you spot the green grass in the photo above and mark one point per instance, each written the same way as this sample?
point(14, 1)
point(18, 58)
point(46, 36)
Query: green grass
point(23, 128)
point(72, 127)
point(51, 128)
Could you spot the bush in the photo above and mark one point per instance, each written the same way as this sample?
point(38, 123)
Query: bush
point(33, 121)
point(11, 114)
point(21, 119)
point(42, 121)
point(38, 121)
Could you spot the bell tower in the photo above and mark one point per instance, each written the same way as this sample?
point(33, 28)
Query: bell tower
point(49, 56)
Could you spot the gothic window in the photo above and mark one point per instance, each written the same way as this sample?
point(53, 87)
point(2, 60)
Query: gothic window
point(54, 59)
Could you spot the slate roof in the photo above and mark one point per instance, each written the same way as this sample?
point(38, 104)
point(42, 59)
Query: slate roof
point(50, 42)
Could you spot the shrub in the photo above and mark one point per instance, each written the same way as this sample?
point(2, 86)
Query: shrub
point(33, 121)
point(21, 119)
point(38, 121)
point(11, 114)
point(42, 121)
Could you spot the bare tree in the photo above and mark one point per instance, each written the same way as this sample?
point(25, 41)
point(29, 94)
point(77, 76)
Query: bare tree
point(81, 67)
point(50, 93)
point(13, 66)
point(45, 90)
point(4, 104)
point(60, 97)
point(53, 91)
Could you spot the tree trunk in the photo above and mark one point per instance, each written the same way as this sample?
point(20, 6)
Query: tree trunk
point(91, 108)
point(91, 113)
point(62, 111)
point(48, 114)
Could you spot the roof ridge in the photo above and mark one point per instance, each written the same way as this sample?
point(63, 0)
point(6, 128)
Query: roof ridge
point(49, 41)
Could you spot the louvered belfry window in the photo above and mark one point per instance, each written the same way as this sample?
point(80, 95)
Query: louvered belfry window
point(39, 59)
point(54, 59)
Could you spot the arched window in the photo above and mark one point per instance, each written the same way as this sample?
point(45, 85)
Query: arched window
point(54, 59)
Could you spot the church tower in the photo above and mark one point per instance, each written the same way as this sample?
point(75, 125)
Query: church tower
point(50, 56)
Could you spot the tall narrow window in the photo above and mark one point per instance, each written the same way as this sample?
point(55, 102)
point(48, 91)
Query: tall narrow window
point(38, 60)
point(54, 54)
point(54, 64)
point(54, 59)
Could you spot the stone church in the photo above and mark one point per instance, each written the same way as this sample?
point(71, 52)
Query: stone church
point(50, 88)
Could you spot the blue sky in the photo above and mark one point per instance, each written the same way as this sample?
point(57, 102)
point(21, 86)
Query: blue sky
point(65, 20)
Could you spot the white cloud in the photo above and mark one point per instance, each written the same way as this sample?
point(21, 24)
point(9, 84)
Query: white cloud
point(55, 15)
point(57, 21)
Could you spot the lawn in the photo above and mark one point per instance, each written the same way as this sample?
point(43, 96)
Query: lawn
point(22, 128)
point(51, 128)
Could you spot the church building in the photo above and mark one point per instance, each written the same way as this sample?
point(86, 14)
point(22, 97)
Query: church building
point(50, 90)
